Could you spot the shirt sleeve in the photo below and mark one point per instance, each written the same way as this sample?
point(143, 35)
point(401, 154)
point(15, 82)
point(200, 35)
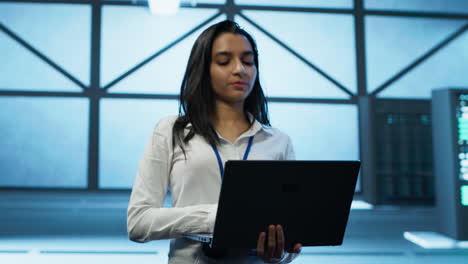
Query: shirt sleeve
point(146, 218)
point(290, 155)
point(289, 257)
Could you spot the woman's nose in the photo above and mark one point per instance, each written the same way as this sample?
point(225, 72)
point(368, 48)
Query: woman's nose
point(239, 68)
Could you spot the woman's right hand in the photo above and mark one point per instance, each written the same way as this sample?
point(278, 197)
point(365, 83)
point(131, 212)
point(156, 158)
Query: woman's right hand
point(273, 250)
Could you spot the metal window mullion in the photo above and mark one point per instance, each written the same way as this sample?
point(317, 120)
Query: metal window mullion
point(365, 108)
point(94, 97)
point(360, 40)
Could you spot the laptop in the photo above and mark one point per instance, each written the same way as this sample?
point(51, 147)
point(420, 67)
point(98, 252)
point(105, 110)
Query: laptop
point(310, 199)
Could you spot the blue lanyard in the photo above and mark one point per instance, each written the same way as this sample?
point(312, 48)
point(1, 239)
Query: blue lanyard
point(220, 162)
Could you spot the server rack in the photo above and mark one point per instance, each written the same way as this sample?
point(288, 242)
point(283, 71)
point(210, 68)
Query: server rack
point(399, 149)
point(450, 137)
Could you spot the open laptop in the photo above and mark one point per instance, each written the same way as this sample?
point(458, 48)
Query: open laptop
point(310, 199)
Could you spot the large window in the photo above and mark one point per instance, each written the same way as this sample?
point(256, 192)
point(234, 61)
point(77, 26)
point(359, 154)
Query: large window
point(82, 84)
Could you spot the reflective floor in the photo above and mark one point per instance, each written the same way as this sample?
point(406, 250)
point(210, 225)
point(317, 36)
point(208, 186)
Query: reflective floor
point(118, 250)
point(59, 228)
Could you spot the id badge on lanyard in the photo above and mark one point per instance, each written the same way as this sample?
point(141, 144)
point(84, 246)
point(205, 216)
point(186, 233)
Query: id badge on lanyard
point(220, 162)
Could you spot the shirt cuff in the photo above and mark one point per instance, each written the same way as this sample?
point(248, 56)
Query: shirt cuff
point(289, 257)
point(211, 218)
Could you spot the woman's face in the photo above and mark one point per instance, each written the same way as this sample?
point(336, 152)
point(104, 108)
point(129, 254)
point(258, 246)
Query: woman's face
point(232, 69)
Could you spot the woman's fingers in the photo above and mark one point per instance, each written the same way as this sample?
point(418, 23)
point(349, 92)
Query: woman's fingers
point(279, 242)
point(297, 248)
point(271, 246)
point(261, 244)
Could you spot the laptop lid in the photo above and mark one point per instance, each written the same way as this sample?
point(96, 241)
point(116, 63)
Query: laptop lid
point(310, 199)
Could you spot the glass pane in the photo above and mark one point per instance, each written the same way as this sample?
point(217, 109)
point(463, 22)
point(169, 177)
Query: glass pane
point(319, 131)
point(205, 1)
point(325, 40)
point(183, 2)
point(163, 74)
point(405, 40)
point(61, 32)
point(447, 68)
point(131, 34)
point(18, 62)
point(284, 75)
point(452, 6)
point(129, 122)
point(299, 3)
point(41, 146)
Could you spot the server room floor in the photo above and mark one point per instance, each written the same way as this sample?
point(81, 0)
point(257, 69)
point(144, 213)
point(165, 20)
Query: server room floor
point(84, 232)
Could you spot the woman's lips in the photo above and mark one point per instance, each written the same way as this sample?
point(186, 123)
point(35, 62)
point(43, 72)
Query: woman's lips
point(240, 84)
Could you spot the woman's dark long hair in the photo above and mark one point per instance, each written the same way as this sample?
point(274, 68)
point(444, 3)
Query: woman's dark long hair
point(197, 98)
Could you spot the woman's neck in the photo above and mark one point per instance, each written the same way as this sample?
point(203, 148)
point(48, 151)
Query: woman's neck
point(229, 114)
point(230, 120)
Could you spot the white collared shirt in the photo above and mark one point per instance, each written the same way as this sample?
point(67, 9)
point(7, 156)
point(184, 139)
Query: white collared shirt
point(194, 182)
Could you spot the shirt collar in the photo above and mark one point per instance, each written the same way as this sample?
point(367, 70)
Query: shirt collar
point(253, 130)
point(256, 127)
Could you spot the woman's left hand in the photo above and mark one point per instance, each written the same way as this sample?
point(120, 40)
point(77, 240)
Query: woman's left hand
point(273, 250)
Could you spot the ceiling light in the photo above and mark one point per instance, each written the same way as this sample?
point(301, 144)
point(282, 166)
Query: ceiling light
point(164, 7)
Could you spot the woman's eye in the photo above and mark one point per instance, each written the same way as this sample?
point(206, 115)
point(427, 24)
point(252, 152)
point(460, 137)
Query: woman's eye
point(250, 63)
point(223, 62)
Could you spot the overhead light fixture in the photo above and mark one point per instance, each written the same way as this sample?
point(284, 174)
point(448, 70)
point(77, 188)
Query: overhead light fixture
point(164, 7)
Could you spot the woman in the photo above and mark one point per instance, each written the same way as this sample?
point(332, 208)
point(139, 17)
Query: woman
point(223, 115)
